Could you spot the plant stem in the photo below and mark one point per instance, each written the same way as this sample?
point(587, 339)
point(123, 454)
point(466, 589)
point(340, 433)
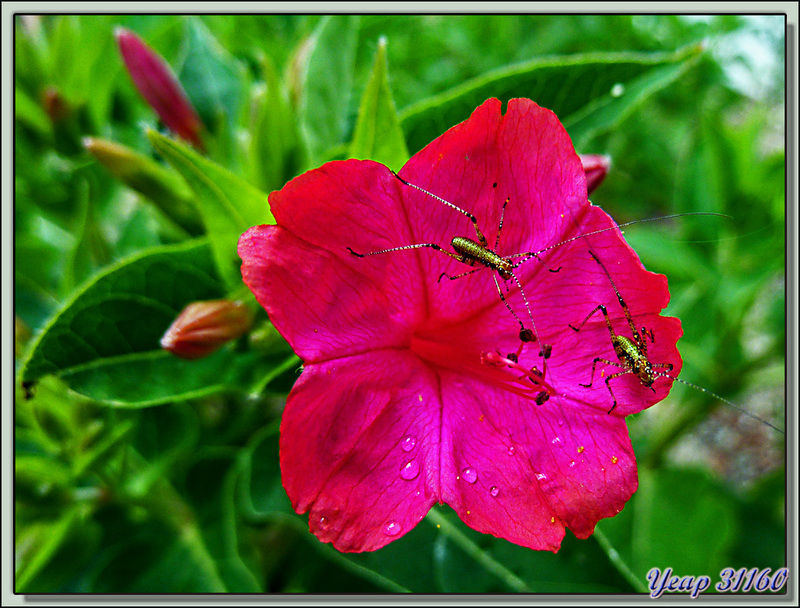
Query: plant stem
point(476, 553)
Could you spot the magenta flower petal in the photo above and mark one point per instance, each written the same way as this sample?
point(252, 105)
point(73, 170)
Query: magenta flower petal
point(523, 475)
point(325, 301)
point(356, 447)
point(157, 83)
point(417, 390)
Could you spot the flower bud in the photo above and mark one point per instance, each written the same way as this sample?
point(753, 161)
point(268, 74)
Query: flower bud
point(595, 166)
point(158, 85)
point(169, 193)
point(203, 327)
point(55, 105)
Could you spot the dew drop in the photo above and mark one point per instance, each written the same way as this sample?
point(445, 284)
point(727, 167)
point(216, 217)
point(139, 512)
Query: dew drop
point(392, 528)
point(494, 491)
point(408, 444)
point(557, 442)
point(572, 463)
point(560, 422)
point(511, 450)
point(469, 475)
point(541, 476)
point(410, 471)
point(617, 90)
point(323, 522)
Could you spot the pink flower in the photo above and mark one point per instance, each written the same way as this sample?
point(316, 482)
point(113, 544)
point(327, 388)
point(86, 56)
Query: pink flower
point(407, 398)
point(157, 83)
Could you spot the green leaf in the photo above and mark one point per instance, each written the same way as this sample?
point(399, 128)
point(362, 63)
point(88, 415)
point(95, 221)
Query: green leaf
point(99, 340)
point(644, 533)
point(273, 151)
point(495, 565)
point(327, 81)
point(214, 80)
point(98, 451)
point(216, 515)
point(609, 109)
point(91, 80)
point(164, 436)
point(589, 93)
point(227, 203)
point(156, 377)
point(31, 114)
point(37, 474)
point(378, 135)
point(261, 494)
point(181, 566)
point(49, 552)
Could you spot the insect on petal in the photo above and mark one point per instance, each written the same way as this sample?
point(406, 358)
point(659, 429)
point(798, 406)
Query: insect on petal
point(416, 387)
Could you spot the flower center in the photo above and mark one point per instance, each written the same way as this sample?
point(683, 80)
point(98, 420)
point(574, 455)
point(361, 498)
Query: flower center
point(488, 366)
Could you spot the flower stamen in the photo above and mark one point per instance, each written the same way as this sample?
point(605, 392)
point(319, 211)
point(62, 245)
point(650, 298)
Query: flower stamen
point(495, 359)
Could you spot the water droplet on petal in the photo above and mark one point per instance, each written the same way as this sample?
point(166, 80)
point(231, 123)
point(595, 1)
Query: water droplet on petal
point(560, 422)
point(469, 475)
point(541, 476)
point(571, 463)
point(511, 450)
point(557, 442)
point(408, 444)
point(392, 528)
point(323, 522)
point(410, 471)
point(494, 491)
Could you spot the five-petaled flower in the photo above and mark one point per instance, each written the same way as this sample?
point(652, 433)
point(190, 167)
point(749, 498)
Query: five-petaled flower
point(414, 390)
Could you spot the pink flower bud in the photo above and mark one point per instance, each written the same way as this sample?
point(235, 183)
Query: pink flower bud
point(595, 166)
point(158, 85)
point(203, 327)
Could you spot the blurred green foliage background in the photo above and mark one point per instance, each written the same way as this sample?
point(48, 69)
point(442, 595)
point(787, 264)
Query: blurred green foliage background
point(135, 472)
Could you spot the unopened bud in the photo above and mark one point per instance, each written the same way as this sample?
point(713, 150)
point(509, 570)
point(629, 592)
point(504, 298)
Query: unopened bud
point(55, 105)
point(143, 174)
point(596, 167)
point(298, 66)
point(159, 86)
point(203, 327)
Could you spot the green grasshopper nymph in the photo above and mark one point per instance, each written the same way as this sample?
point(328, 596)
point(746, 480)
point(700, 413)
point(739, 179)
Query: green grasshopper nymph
point(632, 354)
point(474, 252)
